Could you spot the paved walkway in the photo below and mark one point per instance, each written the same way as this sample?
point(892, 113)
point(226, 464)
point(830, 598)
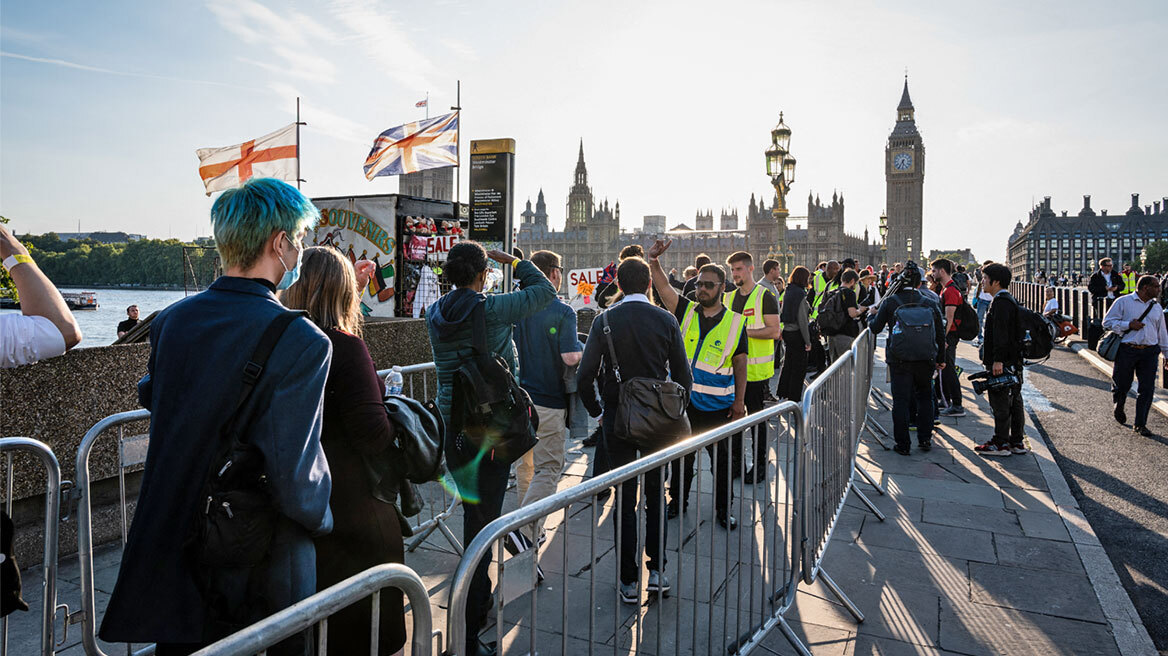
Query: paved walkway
point(977, 556)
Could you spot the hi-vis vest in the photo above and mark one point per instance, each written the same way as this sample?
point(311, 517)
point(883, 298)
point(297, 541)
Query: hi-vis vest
point(710, 358)
point(761, 352)
point(1129, 282)
point(821, 287)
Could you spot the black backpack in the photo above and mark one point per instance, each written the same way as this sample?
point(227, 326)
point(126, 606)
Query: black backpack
point(489, 407)
point(833, 316)
point(1037, 333)
point(961, 279)
point(914, 333)
point(968, 326)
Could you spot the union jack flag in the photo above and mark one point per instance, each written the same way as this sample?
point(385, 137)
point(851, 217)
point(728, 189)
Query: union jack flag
point(422, 103)
point(426, 144)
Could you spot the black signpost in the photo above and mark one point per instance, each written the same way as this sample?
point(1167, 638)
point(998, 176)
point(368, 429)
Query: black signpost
point(492, 179)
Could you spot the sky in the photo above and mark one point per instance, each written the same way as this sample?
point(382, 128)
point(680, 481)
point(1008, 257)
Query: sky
point(102, 105)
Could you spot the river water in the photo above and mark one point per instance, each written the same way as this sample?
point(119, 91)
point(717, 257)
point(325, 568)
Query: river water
point(100, 327)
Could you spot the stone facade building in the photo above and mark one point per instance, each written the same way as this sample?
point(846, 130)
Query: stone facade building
point(592, 236)
point(1058, 243)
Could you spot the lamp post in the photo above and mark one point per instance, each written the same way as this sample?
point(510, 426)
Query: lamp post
point(883, 237)
point(781, 169)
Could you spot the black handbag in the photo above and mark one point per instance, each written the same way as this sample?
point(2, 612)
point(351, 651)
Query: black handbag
point(237, 517)
point(651, 413)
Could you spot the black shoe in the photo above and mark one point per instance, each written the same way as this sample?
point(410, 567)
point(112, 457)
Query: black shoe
point(603, 495)
point(593, 439)
point(926, 445)
point(749, 476)
point(727, 522)
point(902, 450)
point(672, 510)
point(1120, 415)
point(1142, 431)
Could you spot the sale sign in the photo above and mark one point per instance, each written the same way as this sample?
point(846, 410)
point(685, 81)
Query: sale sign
point(582, 286)
point(438, 247)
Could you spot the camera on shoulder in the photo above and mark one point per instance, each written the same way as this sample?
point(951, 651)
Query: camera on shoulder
point(983, 381)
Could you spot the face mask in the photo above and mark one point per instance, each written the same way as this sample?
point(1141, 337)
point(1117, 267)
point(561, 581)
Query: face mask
point(293, 274)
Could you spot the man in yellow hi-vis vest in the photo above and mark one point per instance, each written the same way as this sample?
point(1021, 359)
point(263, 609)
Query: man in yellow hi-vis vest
point(715, 345)
point(1129, 278)
point(761, 310)
point(822, 284)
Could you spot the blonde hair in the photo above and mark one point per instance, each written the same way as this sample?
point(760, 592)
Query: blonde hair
point(327, 289)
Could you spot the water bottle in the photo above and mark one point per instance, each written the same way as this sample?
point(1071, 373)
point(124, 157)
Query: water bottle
point(393, 382)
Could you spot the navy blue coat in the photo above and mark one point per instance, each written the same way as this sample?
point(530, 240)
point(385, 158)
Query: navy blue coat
point(198, 349)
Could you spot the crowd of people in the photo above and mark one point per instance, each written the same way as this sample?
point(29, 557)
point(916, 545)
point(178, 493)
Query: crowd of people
point(296, 415)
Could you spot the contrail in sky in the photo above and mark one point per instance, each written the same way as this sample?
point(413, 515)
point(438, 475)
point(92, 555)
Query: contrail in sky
point(108, 71)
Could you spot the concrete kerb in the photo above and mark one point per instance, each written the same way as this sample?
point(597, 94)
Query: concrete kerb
point(1131, 637)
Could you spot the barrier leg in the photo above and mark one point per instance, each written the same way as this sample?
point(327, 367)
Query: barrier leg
point(864, 498)
point(835, 589)
point(871, 481)
point(789, 633)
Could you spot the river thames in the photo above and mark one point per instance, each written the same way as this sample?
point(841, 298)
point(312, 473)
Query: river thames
point(100, 327)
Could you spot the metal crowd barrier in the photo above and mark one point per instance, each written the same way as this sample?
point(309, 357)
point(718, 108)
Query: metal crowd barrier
point(42, 452)
point(437, 494)
point(1074, 302)
point(315, 611)
point(864, 357)
point(131, 454)
point(749, 576)
point(829, 463)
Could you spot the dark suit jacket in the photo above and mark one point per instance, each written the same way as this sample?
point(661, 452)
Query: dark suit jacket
point(646, 338)
point(199, 346)
point(1097, 286)
point(1002, 343)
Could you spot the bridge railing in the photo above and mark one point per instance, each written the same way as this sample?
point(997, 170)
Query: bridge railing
point(1074, 302)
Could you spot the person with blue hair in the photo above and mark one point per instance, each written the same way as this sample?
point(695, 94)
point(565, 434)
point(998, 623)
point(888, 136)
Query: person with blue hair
point(193, 387)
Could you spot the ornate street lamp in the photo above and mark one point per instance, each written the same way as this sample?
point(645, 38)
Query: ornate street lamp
point(883, 234)
point(780, 166)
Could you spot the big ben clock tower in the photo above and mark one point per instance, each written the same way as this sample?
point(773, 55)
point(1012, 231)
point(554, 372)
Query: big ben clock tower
point(904, 171)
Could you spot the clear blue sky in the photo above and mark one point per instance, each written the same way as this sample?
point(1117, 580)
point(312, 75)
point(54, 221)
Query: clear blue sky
point(102, 105)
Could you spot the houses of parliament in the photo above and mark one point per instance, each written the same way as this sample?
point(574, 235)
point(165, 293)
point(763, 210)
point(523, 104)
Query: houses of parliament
point(592, 236)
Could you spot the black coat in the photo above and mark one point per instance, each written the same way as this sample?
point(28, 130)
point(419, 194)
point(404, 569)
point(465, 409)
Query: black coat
point(1003, 341)
point(1097, 286)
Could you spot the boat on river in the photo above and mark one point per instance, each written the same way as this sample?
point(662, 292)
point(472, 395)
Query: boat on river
point(80, 300)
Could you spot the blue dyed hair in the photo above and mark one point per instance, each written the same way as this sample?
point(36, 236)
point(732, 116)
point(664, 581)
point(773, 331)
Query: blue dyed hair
point(245, 218)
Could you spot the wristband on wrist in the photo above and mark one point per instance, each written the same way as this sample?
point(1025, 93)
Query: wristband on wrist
point(12, 261)
point(516, 261)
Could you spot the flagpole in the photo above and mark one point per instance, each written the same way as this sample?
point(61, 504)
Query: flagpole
point(298, 124)
point(457, 149)
point(427, 105)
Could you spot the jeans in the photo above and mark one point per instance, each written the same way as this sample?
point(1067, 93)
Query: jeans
point(1009, 415)
point(701, 421)
point(755, 394)
point(794, 370)
point(982, 308)
point(621, 453)
point(481, 487)
point(1141, 363)
point(912, 382)
point(950, 384)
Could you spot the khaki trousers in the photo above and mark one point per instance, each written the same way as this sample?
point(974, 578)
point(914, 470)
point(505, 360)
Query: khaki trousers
point(537, 473)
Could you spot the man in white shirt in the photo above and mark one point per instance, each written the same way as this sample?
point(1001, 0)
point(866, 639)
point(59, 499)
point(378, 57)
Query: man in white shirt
point(45, 328)
point(1140, 319)
point(984, 298)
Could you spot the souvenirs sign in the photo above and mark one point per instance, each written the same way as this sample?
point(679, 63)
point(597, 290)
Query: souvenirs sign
point(363, 229)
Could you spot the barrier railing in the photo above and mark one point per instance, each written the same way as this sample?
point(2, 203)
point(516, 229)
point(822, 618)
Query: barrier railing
point(41, 451)
point(315, 611)
point(1074, 302)
point(131, 453)
point(863, 356)
point(752, 593)
point(828, 466)
point(440, 503)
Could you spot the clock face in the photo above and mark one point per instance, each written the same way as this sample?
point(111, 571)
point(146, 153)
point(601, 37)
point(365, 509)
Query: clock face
point(902, 161)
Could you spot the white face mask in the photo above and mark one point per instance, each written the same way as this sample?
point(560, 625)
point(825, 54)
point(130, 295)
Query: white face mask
point(293, 274)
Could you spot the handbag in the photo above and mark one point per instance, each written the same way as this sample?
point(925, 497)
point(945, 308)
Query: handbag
point(651, 413)
point(1109, 345)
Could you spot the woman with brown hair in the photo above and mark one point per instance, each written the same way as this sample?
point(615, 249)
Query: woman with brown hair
point(366, 531)
point(796, 335)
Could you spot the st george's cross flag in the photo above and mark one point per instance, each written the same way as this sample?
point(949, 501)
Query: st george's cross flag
point(270, 156)
point(427, 144)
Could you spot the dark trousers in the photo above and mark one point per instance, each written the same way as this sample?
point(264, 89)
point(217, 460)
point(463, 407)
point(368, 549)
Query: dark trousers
point(622, 453)
point(950, 384)
point(818, 355)
point(912, 385)
point(1009, 415)
point(1142, 364)
point(482, 486)
point(794, 371)
point(680, 483)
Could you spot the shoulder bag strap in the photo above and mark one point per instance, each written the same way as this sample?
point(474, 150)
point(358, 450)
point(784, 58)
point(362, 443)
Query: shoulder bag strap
point(1148, 309)
point(254, 367)
point(611, 347)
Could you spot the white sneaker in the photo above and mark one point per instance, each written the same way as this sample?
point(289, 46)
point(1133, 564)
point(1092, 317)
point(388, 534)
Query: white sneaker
point(658, 583)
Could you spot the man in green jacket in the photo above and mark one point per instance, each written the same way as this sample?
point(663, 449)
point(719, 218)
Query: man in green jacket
point(481, 480)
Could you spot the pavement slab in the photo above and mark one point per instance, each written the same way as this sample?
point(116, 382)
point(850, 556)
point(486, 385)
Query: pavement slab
point(1035, 553)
